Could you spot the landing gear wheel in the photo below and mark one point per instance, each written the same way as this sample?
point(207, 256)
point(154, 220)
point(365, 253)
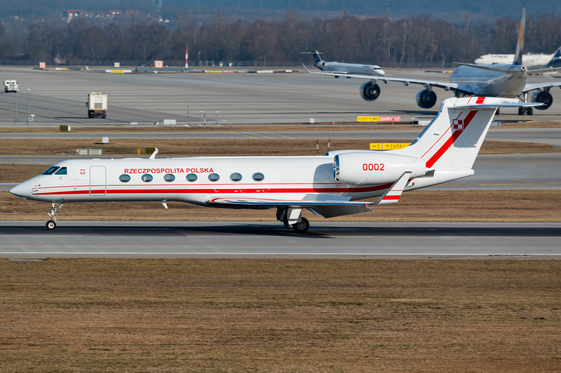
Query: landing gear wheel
point(530, 111)
point(301, 227)
point(521, 111)
point(498, 112)
point(51, 225)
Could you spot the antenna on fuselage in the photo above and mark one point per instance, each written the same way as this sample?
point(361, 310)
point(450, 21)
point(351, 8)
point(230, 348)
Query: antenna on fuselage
point(153, 156)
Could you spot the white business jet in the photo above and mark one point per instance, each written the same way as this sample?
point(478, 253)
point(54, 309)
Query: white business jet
point(329, 185)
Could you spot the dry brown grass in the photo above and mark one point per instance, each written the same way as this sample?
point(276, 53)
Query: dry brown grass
point(422, 205)
point(103, 315)
point(207, 147)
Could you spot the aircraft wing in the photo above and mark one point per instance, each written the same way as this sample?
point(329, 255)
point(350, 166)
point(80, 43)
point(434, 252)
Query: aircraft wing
point(534, 86)
point(327, 205)
point(444, 85)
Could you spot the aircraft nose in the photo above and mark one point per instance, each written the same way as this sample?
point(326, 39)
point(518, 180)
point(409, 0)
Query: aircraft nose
point(381, 72)
point(22, 190)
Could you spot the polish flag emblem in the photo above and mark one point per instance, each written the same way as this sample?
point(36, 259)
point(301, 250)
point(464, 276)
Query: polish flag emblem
point(457, 125)
point(82, 171)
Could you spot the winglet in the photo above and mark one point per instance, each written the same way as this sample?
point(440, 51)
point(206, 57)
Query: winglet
point(392, 195)
point(153, 156)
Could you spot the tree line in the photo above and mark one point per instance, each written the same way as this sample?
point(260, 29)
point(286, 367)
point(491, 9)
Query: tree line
point(418, 41)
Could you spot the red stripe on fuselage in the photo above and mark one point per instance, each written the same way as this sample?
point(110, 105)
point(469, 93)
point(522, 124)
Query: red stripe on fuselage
point(223, 190)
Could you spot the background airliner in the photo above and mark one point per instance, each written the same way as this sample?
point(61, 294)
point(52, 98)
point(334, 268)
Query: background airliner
point(328, 185)
point(531, 60)
point(344, 68)
point(504, 80)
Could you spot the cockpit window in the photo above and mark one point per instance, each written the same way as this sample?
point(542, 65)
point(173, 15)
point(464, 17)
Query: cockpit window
point(51, 170)
point(62, 171)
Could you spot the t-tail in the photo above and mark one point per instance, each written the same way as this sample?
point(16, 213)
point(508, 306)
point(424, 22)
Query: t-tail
point(520, 42)
point(318, 62)
point(450, 143)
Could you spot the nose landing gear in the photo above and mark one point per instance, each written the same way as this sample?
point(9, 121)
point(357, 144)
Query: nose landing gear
point(55, 209)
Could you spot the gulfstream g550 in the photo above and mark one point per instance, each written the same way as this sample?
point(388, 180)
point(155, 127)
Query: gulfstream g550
point(329, 185)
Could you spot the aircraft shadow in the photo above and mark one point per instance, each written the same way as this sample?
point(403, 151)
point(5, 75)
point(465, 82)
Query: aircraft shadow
point(255, 229)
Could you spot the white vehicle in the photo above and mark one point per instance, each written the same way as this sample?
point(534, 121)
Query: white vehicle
point(97, 105)
point(344, 68)
point(329, 185)
point(11, 86)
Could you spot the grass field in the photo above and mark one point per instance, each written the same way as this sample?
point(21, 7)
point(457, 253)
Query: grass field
point(121, 315)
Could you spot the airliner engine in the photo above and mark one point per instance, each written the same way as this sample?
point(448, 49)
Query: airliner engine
point(368, 168)
point(544, 97)
point(426, 98)
point(370, 90)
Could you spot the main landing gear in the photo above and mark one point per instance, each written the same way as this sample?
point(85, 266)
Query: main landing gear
point(55, 209)
point(292, 217)
point(302, 226)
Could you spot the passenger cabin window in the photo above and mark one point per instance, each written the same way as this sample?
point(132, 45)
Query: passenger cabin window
point(50, 171)
point(236, 176)
point(191, 177)
point(62, 171)
point(214, 177)
point(258, 176)
point(147, 178)
point(169, 178)
point(125, 178)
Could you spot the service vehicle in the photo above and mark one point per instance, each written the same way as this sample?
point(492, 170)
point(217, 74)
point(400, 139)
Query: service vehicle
point(11, 86)
point(97, 105)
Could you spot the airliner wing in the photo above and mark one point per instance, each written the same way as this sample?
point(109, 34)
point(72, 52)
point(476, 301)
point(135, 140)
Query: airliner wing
point(444, 85)
point(534, 86)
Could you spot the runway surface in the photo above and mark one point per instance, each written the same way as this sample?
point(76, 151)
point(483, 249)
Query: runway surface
point(226, 239)
point(58, 97)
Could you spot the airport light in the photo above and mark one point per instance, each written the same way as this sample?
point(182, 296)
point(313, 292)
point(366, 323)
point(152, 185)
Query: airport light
point(16, 107)
point(187, 114)
point(217, 117)
point(28, 105)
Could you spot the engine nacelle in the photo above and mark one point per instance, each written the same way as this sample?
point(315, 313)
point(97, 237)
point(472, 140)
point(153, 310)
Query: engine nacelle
point(370, 91)
point(426, 98)
point(368, 168)
point(544, 97)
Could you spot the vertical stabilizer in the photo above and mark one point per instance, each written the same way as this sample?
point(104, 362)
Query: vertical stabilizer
point(317, 58)
point(520, 42)
point(455, 135)
point(556, 59)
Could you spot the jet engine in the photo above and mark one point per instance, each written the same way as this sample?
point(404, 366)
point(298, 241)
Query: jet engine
point(544, 97)
point(426, 98)
point(368, 168)
point(370, 91)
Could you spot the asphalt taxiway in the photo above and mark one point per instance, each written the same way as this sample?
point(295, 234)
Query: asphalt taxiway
point(58, 97)
point(257, 239)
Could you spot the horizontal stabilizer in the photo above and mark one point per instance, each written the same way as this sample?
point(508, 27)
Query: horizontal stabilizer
point(547, 70)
